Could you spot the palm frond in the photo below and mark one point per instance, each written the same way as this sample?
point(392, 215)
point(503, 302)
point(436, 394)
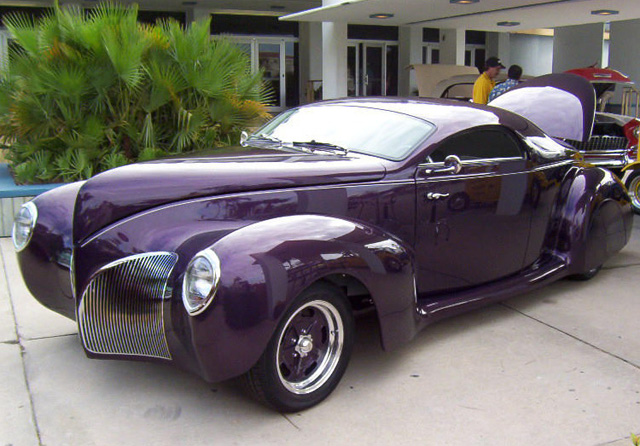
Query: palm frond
point(85, 92)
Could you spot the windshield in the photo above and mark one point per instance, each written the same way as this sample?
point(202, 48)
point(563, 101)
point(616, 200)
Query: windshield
point(372, 131)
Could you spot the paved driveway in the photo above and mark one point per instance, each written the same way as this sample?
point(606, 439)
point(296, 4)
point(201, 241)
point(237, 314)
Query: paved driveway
point(560, 366)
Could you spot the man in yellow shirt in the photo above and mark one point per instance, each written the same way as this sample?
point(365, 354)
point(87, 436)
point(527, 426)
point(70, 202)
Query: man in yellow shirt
point(486, 81)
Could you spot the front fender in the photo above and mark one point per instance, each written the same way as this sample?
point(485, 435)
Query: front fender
point(265, 266)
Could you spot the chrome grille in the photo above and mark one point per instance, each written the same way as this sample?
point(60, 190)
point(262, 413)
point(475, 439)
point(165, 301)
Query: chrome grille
point(602, 142)
point(121, 310)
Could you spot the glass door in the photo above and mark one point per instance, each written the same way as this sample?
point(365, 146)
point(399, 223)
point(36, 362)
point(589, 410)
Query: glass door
point(372, 69)
point(269, 61)
point(278, 58)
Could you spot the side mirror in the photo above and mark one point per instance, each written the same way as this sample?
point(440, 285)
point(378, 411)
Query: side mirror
point(452, 164)
point(243, 138)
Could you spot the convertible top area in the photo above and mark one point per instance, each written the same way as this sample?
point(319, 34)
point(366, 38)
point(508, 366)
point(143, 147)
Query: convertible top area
point(444, 113)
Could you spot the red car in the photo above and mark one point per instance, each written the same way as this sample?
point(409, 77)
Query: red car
point(614, 140)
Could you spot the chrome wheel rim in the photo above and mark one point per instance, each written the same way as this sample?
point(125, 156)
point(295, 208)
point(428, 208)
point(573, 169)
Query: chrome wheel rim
point(309, 347)
point(634, 192)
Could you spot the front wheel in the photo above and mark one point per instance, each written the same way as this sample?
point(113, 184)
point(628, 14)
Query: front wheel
point(308, 353)
point(633, 186)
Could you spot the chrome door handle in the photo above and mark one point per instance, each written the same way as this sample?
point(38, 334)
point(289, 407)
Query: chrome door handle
point(435, 195)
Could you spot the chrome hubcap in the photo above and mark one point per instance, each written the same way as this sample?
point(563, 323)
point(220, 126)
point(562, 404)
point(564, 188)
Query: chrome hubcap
point(304, 345)
point(310, 347)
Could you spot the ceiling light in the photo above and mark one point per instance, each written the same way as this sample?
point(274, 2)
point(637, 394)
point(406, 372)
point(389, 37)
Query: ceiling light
point(381, 15)
point(605, 12)
point(508, 23)
point(463, 2)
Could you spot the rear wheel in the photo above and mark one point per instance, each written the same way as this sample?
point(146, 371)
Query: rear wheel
point(633, 185)
point(308, 353)
point(586, 275)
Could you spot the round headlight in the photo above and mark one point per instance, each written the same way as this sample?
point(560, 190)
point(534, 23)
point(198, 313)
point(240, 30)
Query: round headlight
point(200, 281)
point(23, 225)
point(636, 132)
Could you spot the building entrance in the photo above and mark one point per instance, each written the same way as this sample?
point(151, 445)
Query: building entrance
point(372, 68)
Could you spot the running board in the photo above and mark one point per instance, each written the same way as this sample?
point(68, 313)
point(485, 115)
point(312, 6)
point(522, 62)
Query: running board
point(539, 274)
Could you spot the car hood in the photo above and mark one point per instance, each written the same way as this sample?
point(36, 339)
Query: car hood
point(118, 193)
point(562, 105)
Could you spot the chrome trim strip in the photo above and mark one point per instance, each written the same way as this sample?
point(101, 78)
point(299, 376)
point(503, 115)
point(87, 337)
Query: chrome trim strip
point(121, 311)
point(548, 273)
point(475, 162)
point(494, 174)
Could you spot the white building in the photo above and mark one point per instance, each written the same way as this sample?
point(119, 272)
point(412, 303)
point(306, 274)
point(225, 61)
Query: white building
point(332, 48)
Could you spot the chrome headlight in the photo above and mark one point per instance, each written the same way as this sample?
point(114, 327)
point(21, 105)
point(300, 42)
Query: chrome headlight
point(636, 132)
point(200, 281)
point(23, 225)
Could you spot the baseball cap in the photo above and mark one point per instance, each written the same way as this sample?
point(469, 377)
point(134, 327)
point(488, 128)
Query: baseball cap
point(494, 62)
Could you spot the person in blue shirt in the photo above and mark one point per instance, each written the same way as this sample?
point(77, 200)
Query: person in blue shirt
point(514, 73)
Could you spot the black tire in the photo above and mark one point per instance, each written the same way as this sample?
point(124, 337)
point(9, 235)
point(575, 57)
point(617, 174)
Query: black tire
point(633, 186)
point(301, 366)
point(587, 275)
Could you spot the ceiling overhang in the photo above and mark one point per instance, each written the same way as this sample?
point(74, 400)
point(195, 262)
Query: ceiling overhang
point(483, 15)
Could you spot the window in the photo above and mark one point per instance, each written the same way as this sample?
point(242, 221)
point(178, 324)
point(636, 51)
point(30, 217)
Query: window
point(431, 54)
point(381, 133)
point(486, 143)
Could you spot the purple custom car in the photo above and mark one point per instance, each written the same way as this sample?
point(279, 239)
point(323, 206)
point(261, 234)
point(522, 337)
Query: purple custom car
point(251, 262)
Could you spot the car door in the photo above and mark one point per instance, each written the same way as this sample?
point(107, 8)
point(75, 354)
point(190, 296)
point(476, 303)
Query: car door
point(472, 225)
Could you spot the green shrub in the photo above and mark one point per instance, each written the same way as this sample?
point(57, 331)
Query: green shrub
point(86, 92)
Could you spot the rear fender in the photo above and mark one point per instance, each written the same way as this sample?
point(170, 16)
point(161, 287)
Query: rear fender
point(592, 221)
point(631, 166)
point(265, 266)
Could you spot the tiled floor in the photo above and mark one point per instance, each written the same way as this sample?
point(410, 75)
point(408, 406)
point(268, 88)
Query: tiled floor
point(560, 366)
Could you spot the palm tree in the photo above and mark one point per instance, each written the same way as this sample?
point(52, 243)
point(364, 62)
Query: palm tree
point(83, 93)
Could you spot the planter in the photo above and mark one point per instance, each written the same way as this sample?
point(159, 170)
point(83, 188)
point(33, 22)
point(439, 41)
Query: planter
point(13, 196)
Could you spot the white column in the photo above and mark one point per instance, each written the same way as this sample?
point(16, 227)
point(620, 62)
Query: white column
point(623, 51)
point(623, 48)
point(452, 46)
point(577, 46)
point(334, 57)
point(409, 52)
point(310, 57)
point(533, 53)
point(194, 14)
point(499, 45)
point(334, 60)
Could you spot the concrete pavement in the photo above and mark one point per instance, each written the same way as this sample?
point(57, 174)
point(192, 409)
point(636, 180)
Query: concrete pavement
point(560, 366)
